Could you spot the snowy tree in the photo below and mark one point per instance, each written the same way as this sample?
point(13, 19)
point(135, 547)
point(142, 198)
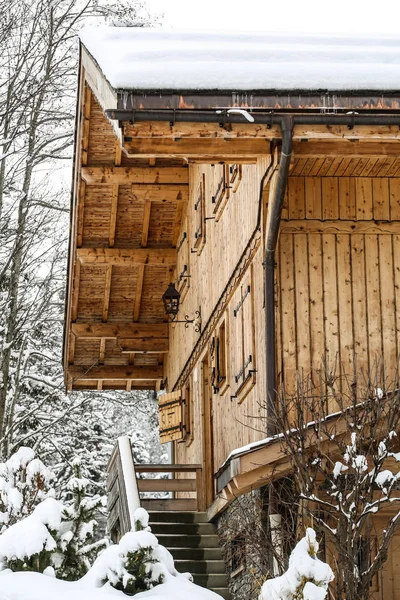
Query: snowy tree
point(343, 443)
point(24, 482)
point(78, 546)
point(38, 67)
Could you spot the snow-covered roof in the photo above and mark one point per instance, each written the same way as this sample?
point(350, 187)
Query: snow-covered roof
point(170, 59)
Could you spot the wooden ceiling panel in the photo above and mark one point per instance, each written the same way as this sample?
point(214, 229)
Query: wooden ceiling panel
point(130, 212)
point(97, 215)
point(102, 141)
point(123, 294)
point(91, 293)
point(113, 354)
point(87, 352)
point(155, 282)
point(146, 359)
point(161, 226)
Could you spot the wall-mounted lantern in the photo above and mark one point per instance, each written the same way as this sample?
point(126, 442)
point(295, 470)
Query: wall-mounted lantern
point(171, 298)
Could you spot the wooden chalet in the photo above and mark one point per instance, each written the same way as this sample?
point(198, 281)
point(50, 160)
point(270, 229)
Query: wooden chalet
point(274, 211)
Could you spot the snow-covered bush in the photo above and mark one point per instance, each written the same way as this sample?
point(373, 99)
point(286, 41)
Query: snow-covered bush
point(77, 545)
point(136, 564)
point(307, 577)
point(24, 482)
point(55, 535)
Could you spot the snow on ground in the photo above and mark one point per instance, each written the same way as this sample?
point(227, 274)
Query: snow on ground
point(34, 586)
point(155, 59)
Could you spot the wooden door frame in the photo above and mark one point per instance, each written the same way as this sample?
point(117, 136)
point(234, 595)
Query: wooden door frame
point(207, 441)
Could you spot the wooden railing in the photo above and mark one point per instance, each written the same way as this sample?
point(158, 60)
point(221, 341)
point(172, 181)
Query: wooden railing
point(192, 486)
point(124, 488)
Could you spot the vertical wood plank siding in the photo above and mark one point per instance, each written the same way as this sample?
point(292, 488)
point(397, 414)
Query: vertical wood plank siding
point(339, 274)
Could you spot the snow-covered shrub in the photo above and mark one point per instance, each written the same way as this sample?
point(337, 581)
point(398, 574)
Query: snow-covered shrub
point(24, 482)
point(136, 564)
point(32, 544)
point(307, 577)
point(55, 535)
point(77, 545)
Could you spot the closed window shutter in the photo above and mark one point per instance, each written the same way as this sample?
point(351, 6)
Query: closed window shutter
point(171, 417)
point(248, 337)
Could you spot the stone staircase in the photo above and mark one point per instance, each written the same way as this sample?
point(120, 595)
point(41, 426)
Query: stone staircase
point(193, 542)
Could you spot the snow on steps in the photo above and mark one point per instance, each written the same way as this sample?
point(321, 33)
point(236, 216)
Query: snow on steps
point(193, 543)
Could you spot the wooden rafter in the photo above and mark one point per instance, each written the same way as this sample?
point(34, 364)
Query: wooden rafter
point(128, 256)
point(120, 330)
point(127, 175)
point(177, 223)
point(102, 351)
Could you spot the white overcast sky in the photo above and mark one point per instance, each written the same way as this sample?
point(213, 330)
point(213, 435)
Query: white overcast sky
point(338, 16)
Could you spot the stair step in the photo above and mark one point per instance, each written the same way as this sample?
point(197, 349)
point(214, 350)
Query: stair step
point(224, 592)
point(177, 517)
point(200, 566)
point(184, 528)
point(188, 541)
point(212, 580)
point(200, 554)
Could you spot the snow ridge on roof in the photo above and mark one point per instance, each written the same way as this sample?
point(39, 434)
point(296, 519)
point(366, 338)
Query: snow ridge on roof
point(168, 59)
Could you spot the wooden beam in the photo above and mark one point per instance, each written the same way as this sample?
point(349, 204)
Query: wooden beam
point(146, 222)
point(361, 227)
point(86, 124)
point(112, 372)
point(102, 351)
point(75, 290)
point(113, 214)
point(71, 349)
point(345, 148)
point(148, 345)
point(147, 129)
point(166, 193)
point(118, 153)
point(128, 175)
point(138, 296)
point(129, 385)
point(166, 485)
point(107, 290)
point(128, 256)
point(120, 330)
point(219, 149)
point(81, 211)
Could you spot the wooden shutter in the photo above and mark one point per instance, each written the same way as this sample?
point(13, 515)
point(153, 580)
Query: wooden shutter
point(183, 262)
point(199, 216)
point(243, 313)
point(220, 192)
point(171, 417)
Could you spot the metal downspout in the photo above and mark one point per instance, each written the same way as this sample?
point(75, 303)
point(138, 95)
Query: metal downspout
point(271, 243)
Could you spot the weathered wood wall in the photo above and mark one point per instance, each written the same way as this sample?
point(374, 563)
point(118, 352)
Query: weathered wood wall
point(338, 277)
point(231, 422)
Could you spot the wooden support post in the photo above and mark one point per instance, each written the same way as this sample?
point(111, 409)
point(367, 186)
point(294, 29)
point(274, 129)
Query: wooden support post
point(199, 490)
point(75, 291)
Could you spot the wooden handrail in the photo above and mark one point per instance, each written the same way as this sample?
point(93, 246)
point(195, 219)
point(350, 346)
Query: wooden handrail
point(124, 488)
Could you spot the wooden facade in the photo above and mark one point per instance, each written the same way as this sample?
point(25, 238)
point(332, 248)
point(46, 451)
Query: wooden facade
point(187, 202)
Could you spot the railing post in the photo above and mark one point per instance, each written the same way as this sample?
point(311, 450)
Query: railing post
point(199, 490)
point(129, 475)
